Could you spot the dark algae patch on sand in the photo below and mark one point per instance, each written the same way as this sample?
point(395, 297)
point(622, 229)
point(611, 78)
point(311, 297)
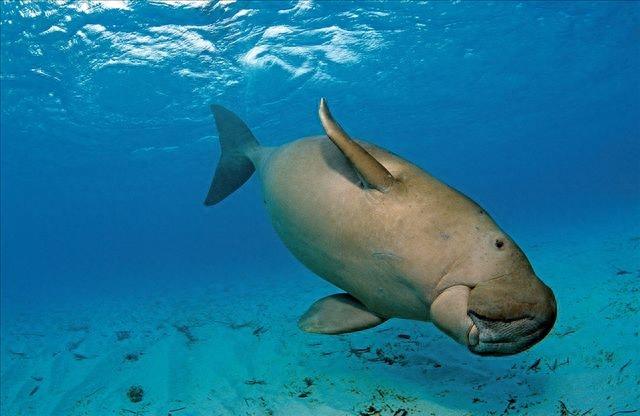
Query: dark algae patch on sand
point(135, 394)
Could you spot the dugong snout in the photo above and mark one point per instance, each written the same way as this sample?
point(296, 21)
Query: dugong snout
point(510, 314)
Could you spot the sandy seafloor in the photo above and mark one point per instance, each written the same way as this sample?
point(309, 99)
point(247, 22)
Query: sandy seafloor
point(234, 348)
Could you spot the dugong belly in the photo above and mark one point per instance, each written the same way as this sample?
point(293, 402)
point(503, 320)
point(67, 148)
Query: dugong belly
point(342, 234)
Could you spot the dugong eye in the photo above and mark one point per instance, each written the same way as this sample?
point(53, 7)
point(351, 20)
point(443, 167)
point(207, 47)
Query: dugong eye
point(499, 243)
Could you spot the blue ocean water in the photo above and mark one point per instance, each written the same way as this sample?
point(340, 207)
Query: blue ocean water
point(108, 147)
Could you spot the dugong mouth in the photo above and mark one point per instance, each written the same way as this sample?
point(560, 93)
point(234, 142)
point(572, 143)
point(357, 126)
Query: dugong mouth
point(509, 313)
point(489, 336)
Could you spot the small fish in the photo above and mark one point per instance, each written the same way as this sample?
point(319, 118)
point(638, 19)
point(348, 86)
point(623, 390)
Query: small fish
point(259, 331)
point(253, 382)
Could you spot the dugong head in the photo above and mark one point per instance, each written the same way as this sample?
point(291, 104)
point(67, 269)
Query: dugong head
point(510, 313)
point(493, 302)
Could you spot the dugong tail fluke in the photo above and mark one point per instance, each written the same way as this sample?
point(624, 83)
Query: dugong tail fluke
point(235, 167)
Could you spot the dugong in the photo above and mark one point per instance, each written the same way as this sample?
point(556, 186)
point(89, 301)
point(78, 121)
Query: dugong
point(397, 241)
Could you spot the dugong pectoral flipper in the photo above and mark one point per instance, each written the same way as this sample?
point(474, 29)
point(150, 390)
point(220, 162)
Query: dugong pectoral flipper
point(372, 173)
point(338, 314)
